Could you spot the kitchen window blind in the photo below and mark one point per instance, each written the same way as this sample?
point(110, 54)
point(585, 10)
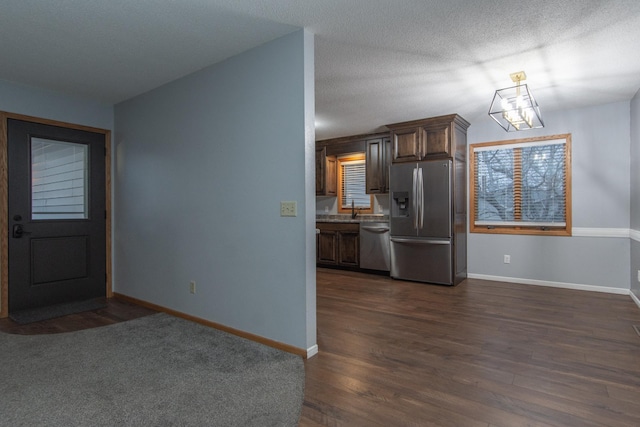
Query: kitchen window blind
point(521, 186)
point(353, 185)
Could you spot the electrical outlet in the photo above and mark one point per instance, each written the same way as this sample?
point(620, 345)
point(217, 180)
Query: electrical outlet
point(192, 287)
point(638, 275)
point(507, 259)
point(289, 208)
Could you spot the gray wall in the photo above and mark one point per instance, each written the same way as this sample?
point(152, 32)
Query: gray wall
point(201, 166)
point(635, 194)
point(598, 254)
point(29, 101)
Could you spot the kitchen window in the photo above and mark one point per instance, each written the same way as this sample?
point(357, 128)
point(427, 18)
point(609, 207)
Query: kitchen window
point(352, 185)
point(521, 186)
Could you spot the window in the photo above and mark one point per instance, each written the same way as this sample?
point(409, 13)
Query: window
point(59, 183)
point(352, 185)
point(521, 186)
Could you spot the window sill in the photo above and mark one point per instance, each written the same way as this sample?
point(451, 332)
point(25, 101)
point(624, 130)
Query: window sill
point(530, 231)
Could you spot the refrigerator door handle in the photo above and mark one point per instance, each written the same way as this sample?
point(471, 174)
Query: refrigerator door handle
point(420, 242)
point(414, 198)
point(421, 195)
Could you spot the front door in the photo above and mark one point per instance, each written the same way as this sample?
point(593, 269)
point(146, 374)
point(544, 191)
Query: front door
point(56, 214)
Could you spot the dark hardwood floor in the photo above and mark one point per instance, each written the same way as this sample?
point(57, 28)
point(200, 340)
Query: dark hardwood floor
point(489, 354)
point(115, 311)
point(396, 353)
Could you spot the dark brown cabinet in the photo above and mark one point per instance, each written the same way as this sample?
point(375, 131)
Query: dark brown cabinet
point(378, 159)
point(327, 246)
point(437, 141)
point(407, 144)
point(377, 149)
point(435, 137)
point(338, 244)
point(326, 173)
point(443, 137)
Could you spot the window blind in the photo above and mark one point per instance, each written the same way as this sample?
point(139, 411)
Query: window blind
point(521, 184)
point(58, 179)
point(353, 185)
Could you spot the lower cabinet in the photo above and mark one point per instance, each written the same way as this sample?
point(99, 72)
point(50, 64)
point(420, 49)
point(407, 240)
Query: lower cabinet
point(338, 244)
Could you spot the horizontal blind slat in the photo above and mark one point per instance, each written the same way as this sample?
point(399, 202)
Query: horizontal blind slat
point(538, 183)
point(354, 185)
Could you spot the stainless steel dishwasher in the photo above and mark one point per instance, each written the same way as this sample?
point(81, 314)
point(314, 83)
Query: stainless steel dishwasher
point(374, 246)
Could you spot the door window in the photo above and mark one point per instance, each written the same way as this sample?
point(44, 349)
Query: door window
point(59, 179)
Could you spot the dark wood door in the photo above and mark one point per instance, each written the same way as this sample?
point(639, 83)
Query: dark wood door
point(437, 140)
point(349, 247)
point(327, 247)
point(407, 144)
point(375, 166)
point(326, 173)
point(378, 158)
point(56, 214)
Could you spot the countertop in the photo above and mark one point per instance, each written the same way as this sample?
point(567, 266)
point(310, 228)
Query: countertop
point(346, 218)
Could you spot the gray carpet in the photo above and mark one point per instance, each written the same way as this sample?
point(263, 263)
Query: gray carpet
point(154, 371)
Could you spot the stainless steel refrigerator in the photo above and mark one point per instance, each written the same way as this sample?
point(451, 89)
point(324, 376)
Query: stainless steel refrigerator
point(420, 221)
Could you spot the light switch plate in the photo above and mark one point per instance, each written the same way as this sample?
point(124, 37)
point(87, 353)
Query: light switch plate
point(289, 208)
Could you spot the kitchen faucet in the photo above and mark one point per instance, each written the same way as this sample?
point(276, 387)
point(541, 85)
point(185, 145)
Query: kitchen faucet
point(354, 214)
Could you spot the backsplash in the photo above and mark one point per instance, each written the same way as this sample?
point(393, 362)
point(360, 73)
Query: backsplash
point(347, 218)
point(329, 205)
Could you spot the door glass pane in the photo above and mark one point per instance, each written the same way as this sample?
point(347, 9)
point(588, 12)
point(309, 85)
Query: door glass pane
point(59, 179)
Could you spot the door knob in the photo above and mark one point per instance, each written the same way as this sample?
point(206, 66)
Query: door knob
point(18, 231)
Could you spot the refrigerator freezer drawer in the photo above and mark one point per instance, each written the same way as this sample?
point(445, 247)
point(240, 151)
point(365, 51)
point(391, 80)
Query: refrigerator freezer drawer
point(422, 260)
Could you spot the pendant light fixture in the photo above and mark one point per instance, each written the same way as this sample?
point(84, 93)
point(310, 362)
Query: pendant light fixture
point(515, 108)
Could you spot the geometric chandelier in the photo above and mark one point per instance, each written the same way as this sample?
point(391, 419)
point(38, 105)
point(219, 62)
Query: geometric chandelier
point(515, 108)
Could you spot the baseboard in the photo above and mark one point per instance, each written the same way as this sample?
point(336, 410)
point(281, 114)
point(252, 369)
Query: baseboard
point(635, 235)
point(591, 288)
point(257, 338)
point(312, 351)
point(635, 298)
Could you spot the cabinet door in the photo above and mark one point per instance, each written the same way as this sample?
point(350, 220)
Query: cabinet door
point(349, 250)
point(331, 176)
point(386, 142)
point(437, 141)
point(375, 166)
point(326, 251)
point(321, 155)
point(326, 173)
point(378, 154)
point(407, 145)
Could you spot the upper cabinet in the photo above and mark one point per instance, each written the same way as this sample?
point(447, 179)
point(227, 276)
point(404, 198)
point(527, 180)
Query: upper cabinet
point(424, 139)
point(378, 159)
point(432, 138)
point(377, 149)
point(326, 173)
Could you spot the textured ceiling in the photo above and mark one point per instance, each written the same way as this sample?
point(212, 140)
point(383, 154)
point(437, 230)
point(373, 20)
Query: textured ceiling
point(377, 61)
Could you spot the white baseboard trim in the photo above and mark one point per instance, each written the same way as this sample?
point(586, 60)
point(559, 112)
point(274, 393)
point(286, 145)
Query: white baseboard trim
point(312, 351)
point(635, 298)
point(635, 235)
point(580, 287)
point(601, 232)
